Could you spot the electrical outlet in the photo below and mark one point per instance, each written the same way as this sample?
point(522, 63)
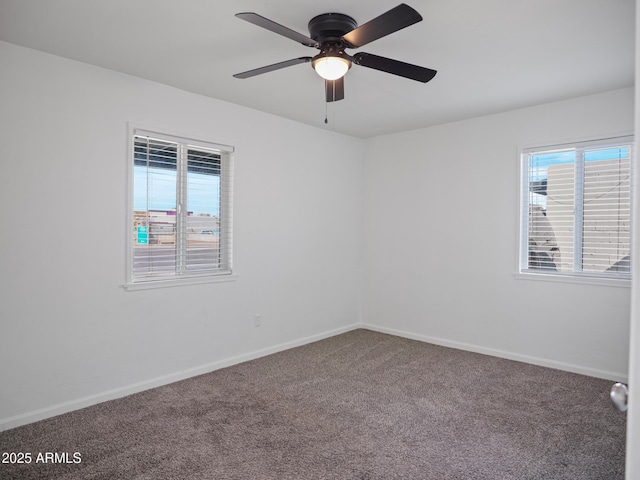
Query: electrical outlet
point(257, 320)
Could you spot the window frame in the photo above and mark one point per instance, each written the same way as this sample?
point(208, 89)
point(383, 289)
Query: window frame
point(594, 278)
point(226, 152)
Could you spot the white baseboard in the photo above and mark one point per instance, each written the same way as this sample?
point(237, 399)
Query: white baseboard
point(58, 409)
point(543, 362)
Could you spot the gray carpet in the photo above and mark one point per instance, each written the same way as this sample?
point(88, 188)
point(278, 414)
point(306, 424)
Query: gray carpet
point(361, 405)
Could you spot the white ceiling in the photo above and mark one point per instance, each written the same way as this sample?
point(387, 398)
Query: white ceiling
point(491, 55)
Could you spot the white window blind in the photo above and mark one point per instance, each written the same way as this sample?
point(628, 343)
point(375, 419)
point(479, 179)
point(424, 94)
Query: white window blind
point(181, 208)
point(576, 209)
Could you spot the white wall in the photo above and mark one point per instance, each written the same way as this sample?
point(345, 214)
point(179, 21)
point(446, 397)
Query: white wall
point(441, 238)
point(69, 334)
point(436, 259)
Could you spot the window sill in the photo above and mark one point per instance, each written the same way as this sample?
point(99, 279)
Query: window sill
point(585, 280)
point(178, 282)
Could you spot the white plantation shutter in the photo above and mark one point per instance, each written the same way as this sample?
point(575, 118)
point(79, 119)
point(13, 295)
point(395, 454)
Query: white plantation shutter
point(607, 210)
point(155, 170)
point(181, 208)
point(576, 209)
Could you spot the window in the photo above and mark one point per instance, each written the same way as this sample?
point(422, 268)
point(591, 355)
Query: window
point(180, 209)
point(576, 209)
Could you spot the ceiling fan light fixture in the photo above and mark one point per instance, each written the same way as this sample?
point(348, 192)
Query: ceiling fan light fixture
point(332, 34)
point(331, 67)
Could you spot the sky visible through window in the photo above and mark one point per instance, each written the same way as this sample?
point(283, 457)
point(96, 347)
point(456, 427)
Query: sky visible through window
point(203, 191)
point(539, 162)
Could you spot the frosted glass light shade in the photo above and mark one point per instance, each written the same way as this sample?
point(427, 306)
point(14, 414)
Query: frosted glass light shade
point(331, 68)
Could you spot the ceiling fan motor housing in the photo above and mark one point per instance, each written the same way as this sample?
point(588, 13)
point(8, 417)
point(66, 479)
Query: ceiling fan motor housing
point(327, 29)
point(330, 27)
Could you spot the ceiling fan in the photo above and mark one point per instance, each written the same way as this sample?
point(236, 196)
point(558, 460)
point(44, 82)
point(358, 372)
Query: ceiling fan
point(332, 34)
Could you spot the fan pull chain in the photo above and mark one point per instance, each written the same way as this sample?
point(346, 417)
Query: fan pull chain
point(326, 102)
point(326, 105)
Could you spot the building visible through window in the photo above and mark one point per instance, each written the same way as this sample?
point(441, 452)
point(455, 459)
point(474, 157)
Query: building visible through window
point(181, 212)
point(576, 209)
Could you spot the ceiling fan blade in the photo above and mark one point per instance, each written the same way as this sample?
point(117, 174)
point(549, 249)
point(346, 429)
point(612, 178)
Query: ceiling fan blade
point(271, 68)
point(396, 67)
point(277, 28)
point(334, 89)
point(395, 19)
